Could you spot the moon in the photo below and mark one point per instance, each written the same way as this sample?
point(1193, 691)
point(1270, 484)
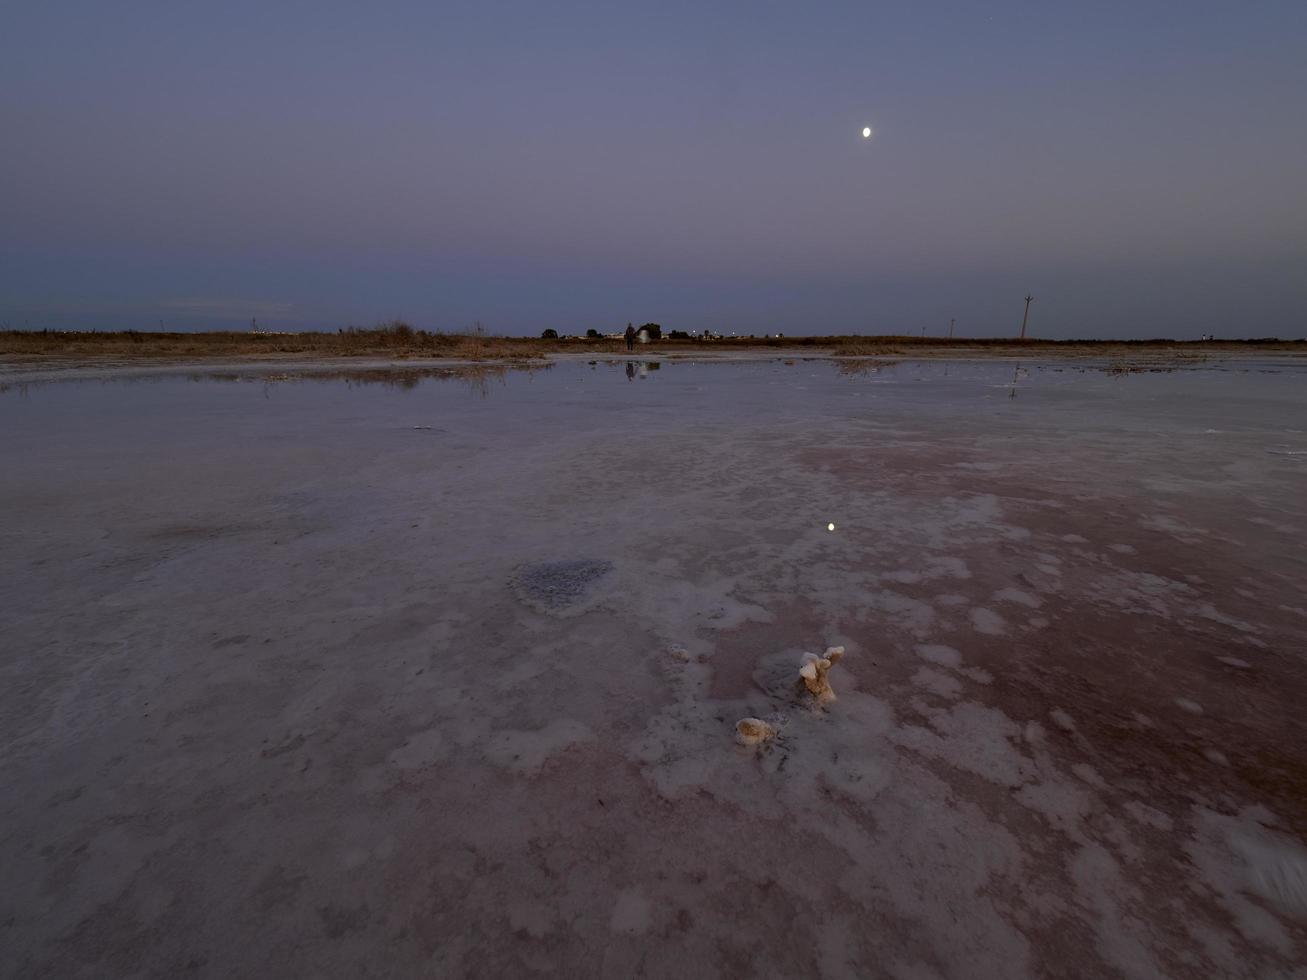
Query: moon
point(866, 132)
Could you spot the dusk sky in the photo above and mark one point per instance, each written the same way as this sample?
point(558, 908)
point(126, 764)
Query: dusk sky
point(1140, 167)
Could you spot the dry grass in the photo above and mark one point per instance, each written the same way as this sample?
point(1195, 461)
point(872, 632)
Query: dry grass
point(396, 340)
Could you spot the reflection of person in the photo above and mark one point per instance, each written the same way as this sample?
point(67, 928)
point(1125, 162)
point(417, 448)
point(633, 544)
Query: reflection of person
point(630, 337)
point(630, 367)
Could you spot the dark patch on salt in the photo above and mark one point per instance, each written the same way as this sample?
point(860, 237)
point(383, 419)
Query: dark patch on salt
point(556, 586)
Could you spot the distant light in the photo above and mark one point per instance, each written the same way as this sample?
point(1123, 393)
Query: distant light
point(830, 527)
point(866, 132)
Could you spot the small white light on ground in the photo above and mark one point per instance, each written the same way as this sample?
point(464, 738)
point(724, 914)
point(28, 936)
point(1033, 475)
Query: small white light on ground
point(866, 132)
point(830, 527)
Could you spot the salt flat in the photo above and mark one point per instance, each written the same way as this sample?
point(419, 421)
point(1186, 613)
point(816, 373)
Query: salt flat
point(393, 672)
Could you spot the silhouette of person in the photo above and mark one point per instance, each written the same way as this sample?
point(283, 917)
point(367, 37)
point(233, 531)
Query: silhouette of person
point(630, 337)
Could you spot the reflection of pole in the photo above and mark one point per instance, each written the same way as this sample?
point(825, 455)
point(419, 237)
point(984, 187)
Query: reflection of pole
point(1026, 316)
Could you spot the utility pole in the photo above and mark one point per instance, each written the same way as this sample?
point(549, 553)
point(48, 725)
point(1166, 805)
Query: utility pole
point(1026, 316)
point(951, 321)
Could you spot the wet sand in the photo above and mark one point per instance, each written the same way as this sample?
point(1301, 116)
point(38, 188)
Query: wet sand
point(439, 675)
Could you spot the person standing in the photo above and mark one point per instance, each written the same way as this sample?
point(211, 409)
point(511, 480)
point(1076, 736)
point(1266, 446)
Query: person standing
point(630, 337)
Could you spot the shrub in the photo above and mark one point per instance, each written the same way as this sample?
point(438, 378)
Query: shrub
point(550, 334)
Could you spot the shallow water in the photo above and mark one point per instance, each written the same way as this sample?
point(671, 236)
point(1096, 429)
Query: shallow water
point(401, 670)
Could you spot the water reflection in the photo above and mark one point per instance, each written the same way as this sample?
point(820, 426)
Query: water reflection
point(640, 369)
point(989, 373)
point(477, 377)
point(942, 381)
point(859, 367)
point(1134, 367)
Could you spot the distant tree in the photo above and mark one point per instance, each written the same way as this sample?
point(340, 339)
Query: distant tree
point(678, 335)
point(550, 334)
point(593, 334)
point(654, 331)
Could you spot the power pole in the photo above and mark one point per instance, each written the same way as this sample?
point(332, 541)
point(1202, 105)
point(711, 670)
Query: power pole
point(1026, 316)
point(952, 321)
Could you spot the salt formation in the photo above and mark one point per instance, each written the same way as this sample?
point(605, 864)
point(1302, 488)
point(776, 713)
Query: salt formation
point(812, 674)
point(753, 731)
point(560, 587)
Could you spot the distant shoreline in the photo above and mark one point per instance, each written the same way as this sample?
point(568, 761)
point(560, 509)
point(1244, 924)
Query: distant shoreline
point(34, 349)
point(1113, 358)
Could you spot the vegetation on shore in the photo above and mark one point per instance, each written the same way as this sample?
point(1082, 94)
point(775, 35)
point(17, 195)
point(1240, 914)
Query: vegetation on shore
point(399, 340)
point(391, 340)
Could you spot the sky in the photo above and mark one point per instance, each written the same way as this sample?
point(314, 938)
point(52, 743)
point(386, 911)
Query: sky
point(1140, 167)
